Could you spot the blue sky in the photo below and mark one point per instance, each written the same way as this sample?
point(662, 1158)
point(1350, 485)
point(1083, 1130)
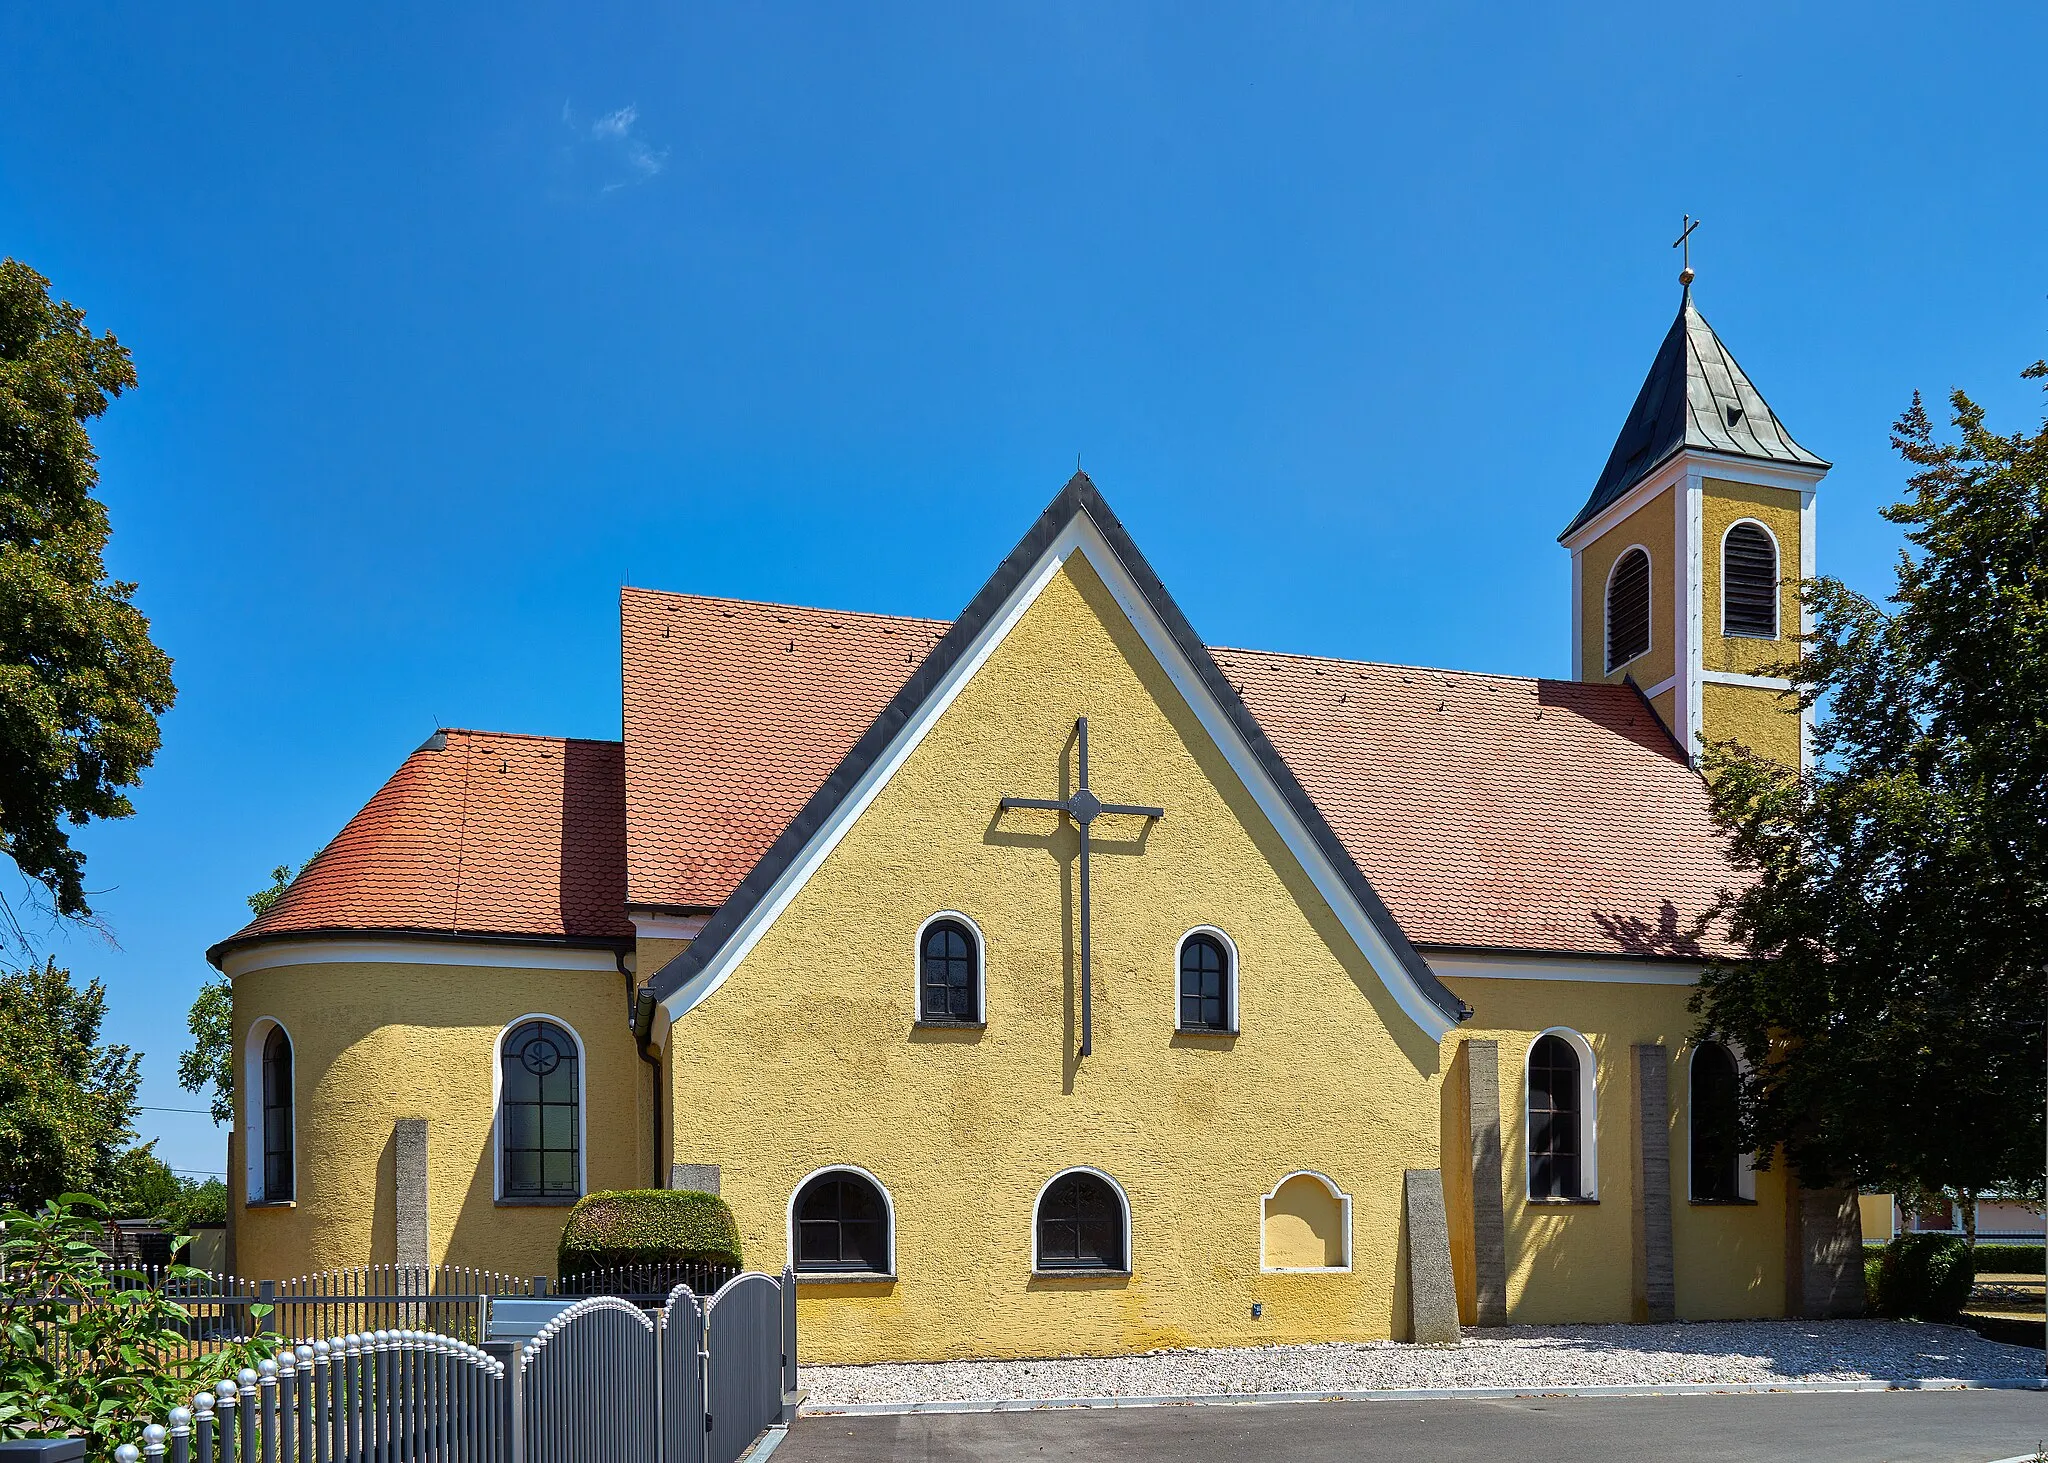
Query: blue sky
point(450, 320)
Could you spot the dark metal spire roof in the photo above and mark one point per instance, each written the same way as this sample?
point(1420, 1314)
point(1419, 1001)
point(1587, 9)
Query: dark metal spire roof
point(1695, 396)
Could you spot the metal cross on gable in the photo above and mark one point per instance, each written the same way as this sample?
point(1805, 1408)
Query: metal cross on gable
point(1084, 807)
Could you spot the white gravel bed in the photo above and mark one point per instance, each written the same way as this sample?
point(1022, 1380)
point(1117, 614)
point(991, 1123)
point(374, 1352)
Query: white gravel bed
point(1511, 1356)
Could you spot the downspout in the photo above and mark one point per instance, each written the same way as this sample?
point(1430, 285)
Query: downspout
point(640, 1016)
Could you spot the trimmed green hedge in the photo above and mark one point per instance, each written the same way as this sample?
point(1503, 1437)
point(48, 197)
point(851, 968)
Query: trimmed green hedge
point(1927, 1277)
point(2009, 1259)
point(647, 1227)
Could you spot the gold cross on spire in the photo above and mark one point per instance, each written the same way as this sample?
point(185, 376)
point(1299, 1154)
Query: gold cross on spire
point(1684, 242)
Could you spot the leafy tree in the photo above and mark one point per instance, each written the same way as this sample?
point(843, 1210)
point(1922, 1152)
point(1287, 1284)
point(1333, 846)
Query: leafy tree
point(67, 1102)
point(208, 1066)
point(199, 1201)
point(1895, 982)
point(95, 1353)
point(81, 683)
point(143, 1185)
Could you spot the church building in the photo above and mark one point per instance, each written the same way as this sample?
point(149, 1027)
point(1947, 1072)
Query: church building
point(1052, 981)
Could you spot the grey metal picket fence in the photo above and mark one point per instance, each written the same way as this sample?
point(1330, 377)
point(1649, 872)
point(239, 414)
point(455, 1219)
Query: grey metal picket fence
point(603, 1380)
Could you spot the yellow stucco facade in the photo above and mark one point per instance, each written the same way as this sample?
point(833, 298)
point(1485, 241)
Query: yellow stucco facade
point(1654, 528)
point(1572, 1261)
point(376, 1042)
point(963, 1127)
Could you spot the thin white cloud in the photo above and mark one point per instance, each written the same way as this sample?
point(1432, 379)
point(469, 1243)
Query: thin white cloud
point(606, 153)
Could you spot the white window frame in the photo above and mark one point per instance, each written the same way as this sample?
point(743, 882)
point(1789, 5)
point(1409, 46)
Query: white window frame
point(1038, 1267)
point(827, 1277)
point(252, 1111)
point(1589, 1114)
point(1649, 609)
point(1745, 1163)
point(1230, 982)
point(1343, 1209)
point(498, 1110)
point(1777, 583)
point(980, 970)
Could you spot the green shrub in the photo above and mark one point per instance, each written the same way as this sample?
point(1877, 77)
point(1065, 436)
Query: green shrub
point(1875, 1301)
point(1927, 1277)
point(647, 1227)
point(2009, 1259)
point(95, 1354)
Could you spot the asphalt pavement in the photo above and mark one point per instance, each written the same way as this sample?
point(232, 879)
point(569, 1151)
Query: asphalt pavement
point(1866, 1427)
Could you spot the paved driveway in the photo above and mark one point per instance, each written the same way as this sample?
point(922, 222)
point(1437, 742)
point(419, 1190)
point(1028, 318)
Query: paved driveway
point(1869, 1427)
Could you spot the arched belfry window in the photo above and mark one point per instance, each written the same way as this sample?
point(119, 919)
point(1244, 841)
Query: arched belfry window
point(841, 1223)
point(540, 1112)
point(1082, 1223)
point(949, 989)
point(279, 1164)
point(1628, 608)
point(1719, 1175)
point(1562, 1149)
point(1208, 981)
point(1749, 581)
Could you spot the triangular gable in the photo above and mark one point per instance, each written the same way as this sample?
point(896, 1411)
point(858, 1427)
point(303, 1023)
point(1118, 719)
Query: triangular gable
point(1078, 519)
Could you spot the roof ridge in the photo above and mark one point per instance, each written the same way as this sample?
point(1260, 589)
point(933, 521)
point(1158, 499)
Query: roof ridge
point(471, 731)
point(772, 604)
point(1399, 665)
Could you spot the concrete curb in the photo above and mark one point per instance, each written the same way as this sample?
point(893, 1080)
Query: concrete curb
point(1425, 1394)
point(765, 1446)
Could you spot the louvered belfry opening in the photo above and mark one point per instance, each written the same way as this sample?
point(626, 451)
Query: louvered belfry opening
point(1628, 609)
point(1749, 582)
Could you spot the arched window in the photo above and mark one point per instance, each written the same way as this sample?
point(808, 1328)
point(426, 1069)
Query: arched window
point(1082, 1223)
point(841, 1223)
point(1718, 1172)
point(278, 1161)
point(1628, 608)
point(1561, 1128)
point(1208, 976)
point(1749, 581)
point(540, 1112)
point(949, 971)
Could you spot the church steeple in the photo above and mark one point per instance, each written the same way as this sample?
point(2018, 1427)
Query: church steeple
point(1686, 553)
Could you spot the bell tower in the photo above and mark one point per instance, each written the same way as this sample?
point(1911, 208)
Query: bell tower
point(1687, 556)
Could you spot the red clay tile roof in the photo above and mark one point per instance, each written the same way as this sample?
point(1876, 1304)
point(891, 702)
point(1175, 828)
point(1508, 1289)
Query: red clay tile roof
point(1488, 811)
point(1500, 811)
point(735, 713)
point(478, 833)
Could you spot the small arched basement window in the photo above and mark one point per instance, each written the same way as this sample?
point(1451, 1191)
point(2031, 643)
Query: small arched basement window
point(1207, 1002)
point(278, 1159)
point(1560, 1107)
point(540, 1113)
point(1628, 608)
point(841, 1224)
point(1082, 1224)
point(1749, 582)
point(948, 971)
point(1715, 1103)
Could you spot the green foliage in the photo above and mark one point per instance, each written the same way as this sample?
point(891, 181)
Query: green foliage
point(202, 1201)
point(93, 1355)
point(1925, 1277)
point(81, 684)
point(144, 1186)
point(67, 1103)
point(645, 1227)
point(2009, 1259)
point(208, 1066)
point(1873, 1282)
point(1896, 931)
point(280, 880)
